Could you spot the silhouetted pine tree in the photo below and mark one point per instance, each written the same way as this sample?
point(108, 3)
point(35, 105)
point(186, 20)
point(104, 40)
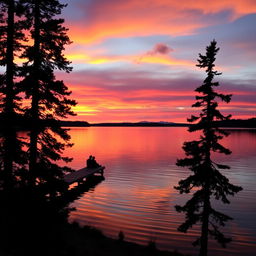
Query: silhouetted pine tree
point(49, 97)
point(206, 179)
point(11, 43)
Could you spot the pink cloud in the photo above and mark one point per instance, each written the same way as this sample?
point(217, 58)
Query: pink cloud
point(125, 96)
point(160, 48)
point(106, 19)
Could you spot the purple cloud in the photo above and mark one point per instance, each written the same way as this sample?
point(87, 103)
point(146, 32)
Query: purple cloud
point(160, 48)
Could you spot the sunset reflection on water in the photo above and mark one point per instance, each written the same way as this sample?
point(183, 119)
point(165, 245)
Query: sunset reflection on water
point(138, 197)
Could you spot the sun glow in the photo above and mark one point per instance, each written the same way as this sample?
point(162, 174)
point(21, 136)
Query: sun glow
point(136, 60)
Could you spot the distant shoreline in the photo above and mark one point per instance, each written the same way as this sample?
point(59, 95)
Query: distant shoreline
point(139, 125)
point(235, 123)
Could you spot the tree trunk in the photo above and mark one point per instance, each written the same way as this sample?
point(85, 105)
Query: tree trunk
point(205, 224)
point(35, 96)
point(206, 188)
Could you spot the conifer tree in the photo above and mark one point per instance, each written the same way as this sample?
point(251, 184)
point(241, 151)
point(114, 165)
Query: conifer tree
point(12, 41)
point(206, 181)
point(49, 96)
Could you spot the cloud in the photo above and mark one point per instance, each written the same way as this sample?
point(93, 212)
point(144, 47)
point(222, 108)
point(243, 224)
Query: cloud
point(103, 19)
point(111, 37)
point(160, 55)
point(160, 48)
point(134, 96)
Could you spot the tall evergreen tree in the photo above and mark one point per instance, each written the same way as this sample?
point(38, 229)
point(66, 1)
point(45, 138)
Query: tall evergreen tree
point(49, 96)
point(11, 43)
point(206, 178)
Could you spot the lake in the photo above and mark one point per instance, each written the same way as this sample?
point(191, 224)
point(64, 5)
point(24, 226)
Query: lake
point(137, 195)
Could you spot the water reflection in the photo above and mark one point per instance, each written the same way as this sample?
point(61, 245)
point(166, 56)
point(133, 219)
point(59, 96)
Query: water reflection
point(137, 196)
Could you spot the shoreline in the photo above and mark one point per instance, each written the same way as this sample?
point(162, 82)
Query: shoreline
point(87, 240)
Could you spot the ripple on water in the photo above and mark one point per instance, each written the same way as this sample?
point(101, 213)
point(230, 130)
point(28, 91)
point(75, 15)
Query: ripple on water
point(138, 197)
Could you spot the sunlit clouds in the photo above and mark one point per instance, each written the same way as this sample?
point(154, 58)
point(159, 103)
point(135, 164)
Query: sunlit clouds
point(135, 60)
point(104, 19)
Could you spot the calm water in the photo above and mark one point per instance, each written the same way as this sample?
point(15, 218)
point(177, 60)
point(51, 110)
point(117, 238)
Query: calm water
point(138, 197)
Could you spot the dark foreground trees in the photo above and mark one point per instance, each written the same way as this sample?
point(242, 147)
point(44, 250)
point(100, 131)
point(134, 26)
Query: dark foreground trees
point(31, 221)
point(42, 53)
point(12, 41)
point(206, 180)
point(49, 96)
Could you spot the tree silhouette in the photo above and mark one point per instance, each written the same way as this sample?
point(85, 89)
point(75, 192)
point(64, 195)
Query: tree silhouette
point(11, 43)
point(49, 96)
point(206, 180)
point(29, 220)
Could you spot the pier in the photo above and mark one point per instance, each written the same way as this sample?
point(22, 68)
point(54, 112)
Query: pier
point(80, 175)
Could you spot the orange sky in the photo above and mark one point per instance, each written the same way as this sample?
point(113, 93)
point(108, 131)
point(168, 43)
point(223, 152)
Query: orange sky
point(135, 60)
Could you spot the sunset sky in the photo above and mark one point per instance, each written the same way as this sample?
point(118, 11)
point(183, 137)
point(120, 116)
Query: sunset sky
point(135, 60)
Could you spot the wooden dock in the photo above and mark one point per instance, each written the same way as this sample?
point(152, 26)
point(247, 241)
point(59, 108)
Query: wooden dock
point(80, 175)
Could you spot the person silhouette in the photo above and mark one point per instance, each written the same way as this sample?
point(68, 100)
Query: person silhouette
point(89, 162)
point(94, 163)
